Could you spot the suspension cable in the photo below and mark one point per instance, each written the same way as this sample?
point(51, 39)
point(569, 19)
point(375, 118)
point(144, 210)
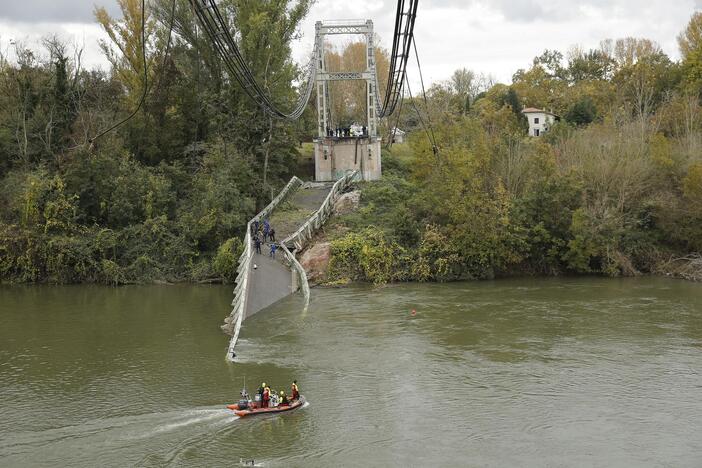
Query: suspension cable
point(404, 31)
point(215, 26)
point(397, 120)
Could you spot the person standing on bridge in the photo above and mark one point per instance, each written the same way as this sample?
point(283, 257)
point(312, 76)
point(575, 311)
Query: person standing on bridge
point(257, 244)
point(274, 247)
point(266, 229)
point(271, 234)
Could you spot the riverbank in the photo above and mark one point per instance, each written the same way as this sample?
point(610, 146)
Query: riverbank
point(384, 232)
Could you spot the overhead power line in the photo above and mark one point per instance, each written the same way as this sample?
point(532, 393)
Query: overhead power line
point(145, 84)
point(435, 148)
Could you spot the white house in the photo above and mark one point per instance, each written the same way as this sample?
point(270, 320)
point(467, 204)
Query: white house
point(539, 120)
point(397, 135)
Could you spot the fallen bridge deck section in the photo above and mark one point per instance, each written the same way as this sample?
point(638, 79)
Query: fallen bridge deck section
point(264, 279)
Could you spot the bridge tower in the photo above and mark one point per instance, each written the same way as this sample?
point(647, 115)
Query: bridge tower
point(334, 154)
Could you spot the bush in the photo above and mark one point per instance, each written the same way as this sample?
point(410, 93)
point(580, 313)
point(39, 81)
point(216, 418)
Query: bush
point(227, 259)
point(367, 256)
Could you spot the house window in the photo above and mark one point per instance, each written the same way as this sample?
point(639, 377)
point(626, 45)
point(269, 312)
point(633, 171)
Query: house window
point(536, 132)
point(536, 120)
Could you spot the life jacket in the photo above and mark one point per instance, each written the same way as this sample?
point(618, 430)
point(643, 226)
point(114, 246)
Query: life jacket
point(266, 393)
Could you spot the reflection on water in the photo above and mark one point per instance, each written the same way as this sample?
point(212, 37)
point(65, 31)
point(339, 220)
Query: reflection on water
point(506, 373)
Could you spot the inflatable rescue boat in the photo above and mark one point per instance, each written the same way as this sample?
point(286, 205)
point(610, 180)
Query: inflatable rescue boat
point(247, 408)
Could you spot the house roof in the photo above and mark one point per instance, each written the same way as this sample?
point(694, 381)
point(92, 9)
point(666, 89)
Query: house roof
point(534, 110)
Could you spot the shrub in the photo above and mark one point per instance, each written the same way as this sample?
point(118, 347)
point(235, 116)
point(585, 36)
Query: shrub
point(227, 259)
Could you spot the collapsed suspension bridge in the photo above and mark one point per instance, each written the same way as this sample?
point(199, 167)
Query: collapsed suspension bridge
point(339, 160)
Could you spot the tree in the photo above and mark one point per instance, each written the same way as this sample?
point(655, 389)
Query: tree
point(591, 65)
point(462, 85)
point(348, 98)
point(645, 76)
point(126, 36)
point(582, 112)
point(551, 61)
point(690, 42)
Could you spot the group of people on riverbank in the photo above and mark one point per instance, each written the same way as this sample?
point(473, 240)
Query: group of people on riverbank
point(261, 233)
point(267, 398)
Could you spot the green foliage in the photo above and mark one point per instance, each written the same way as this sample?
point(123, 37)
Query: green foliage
point(227, 259)
point(606, 191)
point(166, 196)
point(438, 258)
point(159, 198)
point(367, 255)
point(582, 112)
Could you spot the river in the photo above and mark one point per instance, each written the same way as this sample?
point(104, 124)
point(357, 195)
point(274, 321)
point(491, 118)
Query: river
point(537, 372)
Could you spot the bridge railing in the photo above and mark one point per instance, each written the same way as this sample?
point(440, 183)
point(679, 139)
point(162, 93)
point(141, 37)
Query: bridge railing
point(299, 238)
point(232, 324)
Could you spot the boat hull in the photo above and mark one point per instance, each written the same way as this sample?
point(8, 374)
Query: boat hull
point(272, 410)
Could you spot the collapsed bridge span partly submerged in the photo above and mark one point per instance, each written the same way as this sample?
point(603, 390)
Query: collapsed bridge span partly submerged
point(295, 213)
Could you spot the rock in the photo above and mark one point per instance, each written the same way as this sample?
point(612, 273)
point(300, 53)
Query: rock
point(315, 261)
point(347, 203)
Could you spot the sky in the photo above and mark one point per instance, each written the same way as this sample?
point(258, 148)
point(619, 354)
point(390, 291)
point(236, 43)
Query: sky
point(495, 37)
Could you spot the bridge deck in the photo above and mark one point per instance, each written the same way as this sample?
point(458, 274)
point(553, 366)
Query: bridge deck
point(271, 280)
point(297, 210)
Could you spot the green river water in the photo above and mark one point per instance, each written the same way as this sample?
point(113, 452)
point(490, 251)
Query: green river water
point(538, 372)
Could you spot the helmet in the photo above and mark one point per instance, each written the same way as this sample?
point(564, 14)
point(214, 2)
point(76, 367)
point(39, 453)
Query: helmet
point(263, 385)
point(282, 393)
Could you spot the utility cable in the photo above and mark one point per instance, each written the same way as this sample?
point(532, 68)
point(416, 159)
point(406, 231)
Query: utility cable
point(145, 83)
point(424, 94)
point(168, 45)
point(434, 148)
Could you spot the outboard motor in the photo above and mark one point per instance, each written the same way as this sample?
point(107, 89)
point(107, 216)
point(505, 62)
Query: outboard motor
point(243, 404)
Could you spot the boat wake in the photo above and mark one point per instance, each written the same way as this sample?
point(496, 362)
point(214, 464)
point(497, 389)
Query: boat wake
point(191, 418)
point(118, 433)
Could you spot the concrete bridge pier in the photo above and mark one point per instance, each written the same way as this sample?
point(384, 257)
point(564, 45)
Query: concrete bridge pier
point(334, 157)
